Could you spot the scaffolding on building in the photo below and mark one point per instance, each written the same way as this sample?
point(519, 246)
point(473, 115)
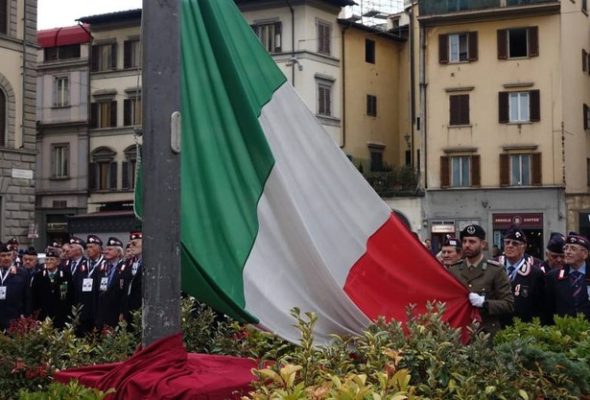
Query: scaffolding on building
point(375, 12)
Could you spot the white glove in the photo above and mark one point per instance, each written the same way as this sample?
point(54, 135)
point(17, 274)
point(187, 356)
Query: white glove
point(476, 300)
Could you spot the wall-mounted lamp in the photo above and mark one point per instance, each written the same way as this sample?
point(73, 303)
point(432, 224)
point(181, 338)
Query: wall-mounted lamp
point(294, 61)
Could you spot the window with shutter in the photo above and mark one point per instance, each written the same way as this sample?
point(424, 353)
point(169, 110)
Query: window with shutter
point(92, 176)
point(325, 98)
point(113, 176)
point(458, 47)
point(475, 171)
point(113, 122)
point(128, 167)
point(518, 42)
point(535, 105)
point(588, 171)
point(473, 46)
point(125, 175)
point(270, 35)
point(102, 174)
point(371, 105)
point(131, 54)
point(537, 169)
point(324, 33)
point(586, 116)
point(104, 57)
point(443, 49)
point(460, 171)
point(459, 109)
point(520, 169)
point(502, 39)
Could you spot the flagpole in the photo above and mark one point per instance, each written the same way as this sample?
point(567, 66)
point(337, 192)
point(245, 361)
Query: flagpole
point(161, 169)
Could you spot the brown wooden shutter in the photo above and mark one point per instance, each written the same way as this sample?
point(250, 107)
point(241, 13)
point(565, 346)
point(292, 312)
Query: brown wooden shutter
point(475, 171)
point(464, 100)
point(278, 36)
point(127, 54)
point(445, 176)
point(535, 104)
point(537, 173)
point(94, 59)
point(125, 175)
point(3, 17)
point(584, 60)
point(504, 169)
point(3, 132)
point(94, 115)
point(472, 39)
point(585, 116)
point(114, 56)
point(502, 44)
point(127, 112)
point(533, 36)
point(113, 113)
point(503, 116)
point(443, 49)
point(455, 111)
point(113, 176)
point(92, 168)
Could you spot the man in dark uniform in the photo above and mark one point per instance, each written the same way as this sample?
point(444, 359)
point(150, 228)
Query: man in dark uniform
point(568, 288)
point(30, 262)
point(133, 276)
point(15, 294)
point(526, 278)
point(87, 284)
point(52, 291)
point(111, 285)
point(554, 258)
point(13, 247)
point(450, 251)
point(486, 281)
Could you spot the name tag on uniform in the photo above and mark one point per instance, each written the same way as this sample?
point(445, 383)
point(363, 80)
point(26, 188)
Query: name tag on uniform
point(103, 284)
point(87, 285)
point(2, 292)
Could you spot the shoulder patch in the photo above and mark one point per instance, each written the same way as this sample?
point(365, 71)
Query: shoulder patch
point(494, 263)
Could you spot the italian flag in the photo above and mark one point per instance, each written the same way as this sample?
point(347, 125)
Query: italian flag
point(273, 214)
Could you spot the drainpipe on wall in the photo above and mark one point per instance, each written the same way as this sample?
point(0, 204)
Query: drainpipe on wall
point(292, 41)
point(343, 58)
point(22, 144)
point(423, 108)
point(412, 86)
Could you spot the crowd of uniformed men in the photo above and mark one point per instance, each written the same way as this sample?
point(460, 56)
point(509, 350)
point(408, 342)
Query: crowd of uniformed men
point(104, 281)
point(516, 284)
point(100, 280)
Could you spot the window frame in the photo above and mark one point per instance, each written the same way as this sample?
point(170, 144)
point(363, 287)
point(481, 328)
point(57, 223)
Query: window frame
point(464, 164)
point(272, 41)
point(100, 107)
point(520, 108)
point(132, 107)
point(521, 164)
point(450, 47)
point(509, 33)
point(61, 93)
point(459, 110)
point(60, 160)
point(324, 96)
point(104, 57)
point(131, 54)
point(102, 170)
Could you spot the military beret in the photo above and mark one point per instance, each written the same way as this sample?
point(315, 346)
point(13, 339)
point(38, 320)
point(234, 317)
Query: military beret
point(12, 241)
point(135, 235)
point(94, 239)
point(31, 251)
point(450, 240)
point(515, 233)
point(77, 240)
point(473, 231)
point(4, 248)
point(12, 244)
point(52, 252)
point(556, 242)
point(574, 238)
point(113, 241)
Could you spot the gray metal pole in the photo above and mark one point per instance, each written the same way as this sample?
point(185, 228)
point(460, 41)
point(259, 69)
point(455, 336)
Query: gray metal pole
point(161, 170)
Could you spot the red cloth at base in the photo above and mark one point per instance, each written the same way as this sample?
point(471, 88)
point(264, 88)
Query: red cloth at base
point(164, 370)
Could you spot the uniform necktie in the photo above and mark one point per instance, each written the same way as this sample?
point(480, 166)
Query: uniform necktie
point(510, 270)
point(73, 268)
point(576, 280)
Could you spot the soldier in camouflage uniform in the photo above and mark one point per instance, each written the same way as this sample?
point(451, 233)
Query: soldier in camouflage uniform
point(488, 285)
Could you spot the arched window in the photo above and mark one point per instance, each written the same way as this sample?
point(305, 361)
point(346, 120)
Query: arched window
point(3, 122)
point(102, 171)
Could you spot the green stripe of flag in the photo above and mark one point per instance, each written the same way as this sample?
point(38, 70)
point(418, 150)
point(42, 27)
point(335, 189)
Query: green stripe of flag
point(227, 77)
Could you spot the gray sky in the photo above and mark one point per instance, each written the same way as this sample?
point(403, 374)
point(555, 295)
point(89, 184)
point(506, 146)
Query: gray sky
point(57, 13)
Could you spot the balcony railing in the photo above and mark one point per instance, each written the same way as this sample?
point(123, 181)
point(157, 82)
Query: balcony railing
point(437, 7)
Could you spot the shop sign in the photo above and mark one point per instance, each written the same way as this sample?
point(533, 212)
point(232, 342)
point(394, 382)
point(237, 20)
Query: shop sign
point(443, 228)
point(522, 220)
